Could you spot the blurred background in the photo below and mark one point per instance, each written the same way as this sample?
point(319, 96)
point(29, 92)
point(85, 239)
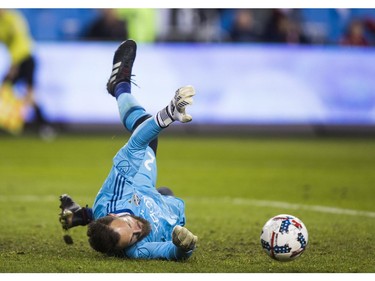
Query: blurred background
point(305, 71)
point(279, 95)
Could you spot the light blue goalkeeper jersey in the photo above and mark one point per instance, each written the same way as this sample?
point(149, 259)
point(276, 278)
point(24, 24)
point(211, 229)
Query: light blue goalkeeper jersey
point(130, 188)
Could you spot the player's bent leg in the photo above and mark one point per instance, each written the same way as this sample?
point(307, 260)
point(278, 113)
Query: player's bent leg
point(119, 85)
point(131, 112)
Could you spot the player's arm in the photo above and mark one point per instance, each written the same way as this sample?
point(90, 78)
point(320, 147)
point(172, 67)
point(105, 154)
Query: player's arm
point(158, 250)
point(180, 248)
point(134, 151)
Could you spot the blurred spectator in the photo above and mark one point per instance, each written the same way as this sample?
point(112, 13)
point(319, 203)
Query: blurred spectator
point(141, 23)
point(282, 28)
point(243, 29)
point(14, 33)
point(189, 25)
point(354, 35)
point(108, 27)
point(370, 24)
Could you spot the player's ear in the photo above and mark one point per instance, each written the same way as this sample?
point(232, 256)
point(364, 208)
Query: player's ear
point(112, 215)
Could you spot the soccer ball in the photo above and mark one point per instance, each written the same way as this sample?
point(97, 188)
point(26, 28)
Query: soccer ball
point(284, 237)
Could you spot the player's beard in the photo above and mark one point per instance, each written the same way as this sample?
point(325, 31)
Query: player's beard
point(146, 227)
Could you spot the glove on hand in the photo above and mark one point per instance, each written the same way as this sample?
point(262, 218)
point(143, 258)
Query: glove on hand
point(182, 98)
point(183, 238)
point(176, 110)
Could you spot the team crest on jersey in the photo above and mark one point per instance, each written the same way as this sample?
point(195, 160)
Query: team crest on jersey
point(143, 253)
point(136, 200)
point(123, 167)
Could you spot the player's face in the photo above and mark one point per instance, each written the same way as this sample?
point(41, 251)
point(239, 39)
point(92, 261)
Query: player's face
point(131, 229)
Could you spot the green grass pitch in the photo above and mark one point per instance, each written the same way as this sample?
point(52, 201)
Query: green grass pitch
point(231, 187)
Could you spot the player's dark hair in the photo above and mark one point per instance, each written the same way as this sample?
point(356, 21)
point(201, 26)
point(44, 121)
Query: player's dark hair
point(103, 238)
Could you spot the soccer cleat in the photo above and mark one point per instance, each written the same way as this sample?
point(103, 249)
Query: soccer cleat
point(165, 191)
point(67, 203)
point(122, 65)
point(68, 207)
point(73, 214)
point(176, 110)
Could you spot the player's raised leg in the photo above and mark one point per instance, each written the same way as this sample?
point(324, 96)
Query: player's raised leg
point(119, 86)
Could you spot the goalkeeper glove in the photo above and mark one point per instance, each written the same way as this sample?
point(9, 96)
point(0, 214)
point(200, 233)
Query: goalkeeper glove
point(183, 238)
point(176, 108)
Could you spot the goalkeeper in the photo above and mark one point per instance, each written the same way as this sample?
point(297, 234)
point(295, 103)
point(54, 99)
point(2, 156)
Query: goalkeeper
point(130, 217)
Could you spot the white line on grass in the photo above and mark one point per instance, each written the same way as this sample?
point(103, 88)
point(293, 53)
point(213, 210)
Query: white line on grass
point(220, 200)
point(316, 208)
point(284, 205)
point(28, 198)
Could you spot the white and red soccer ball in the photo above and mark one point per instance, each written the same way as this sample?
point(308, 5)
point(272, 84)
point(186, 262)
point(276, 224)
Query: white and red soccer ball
point(284, 237)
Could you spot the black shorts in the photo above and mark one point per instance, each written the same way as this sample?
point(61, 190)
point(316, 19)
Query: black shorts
point(25, 72)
